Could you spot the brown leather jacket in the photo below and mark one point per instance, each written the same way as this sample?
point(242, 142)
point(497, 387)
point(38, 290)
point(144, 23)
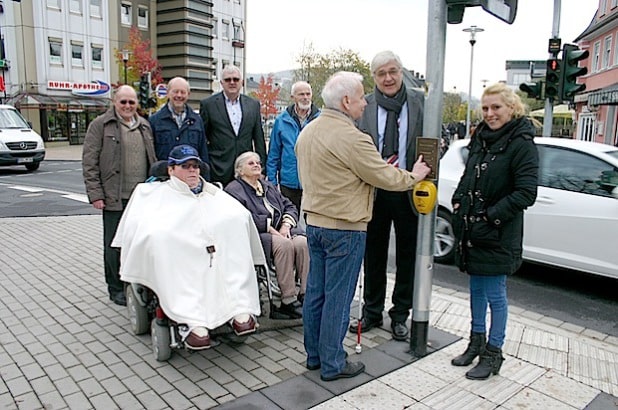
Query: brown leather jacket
point(101, 158)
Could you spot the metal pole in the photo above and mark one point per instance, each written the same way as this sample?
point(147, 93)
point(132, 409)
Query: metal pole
point(432, 125)
point(472, 30)
point(125, 71)
point(548, 118)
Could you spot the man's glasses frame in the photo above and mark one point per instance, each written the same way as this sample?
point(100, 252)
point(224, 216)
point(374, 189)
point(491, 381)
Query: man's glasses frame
point(125, 102)
point(231, 79)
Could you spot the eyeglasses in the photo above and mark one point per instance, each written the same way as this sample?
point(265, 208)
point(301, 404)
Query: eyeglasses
point(392, 72)
point(252, 163)
point(187, 166)
point(231, 79)
point(125, 102)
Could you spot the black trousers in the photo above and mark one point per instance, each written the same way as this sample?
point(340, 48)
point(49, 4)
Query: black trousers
point(390, 208)
point(111, 256)
point(294, 195)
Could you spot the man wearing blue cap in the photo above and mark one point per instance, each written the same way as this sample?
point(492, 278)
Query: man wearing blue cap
point(196, 248)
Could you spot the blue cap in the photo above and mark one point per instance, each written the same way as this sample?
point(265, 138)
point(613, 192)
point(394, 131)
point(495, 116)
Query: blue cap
point(181, 154)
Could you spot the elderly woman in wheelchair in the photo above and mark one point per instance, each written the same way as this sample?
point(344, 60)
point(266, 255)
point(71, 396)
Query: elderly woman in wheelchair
point(193, 247)
point(276, 219)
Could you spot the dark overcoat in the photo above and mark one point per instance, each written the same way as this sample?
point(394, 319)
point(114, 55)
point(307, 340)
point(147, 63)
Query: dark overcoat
point(498, 184)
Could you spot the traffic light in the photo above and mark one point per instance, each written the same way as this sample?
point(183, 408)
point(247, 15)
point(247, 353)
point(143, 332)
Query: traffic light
point(534, 90)
point(552, 78)
point(571, 56)
point(144, 91)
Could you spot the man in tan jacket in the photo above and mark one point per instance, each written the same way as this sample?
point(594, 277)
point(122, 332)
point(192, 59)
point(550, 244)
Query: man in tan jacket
point(338, 169)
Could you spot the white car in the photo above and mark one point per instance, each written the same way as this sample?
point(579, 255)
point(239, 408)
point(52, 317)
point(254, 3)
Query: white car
point(19, 143)
point(573, 223)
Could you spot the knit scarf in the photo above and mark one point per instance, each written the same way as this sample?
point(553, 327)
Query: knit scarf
point(393, 106)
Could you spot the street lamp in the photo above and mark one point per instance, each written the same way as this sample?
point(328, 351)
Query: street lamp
point(472, 30)
point(125, 59)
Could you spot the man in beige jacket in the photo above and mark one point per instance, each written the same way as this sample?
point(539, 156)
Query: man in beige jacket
point(338, 169)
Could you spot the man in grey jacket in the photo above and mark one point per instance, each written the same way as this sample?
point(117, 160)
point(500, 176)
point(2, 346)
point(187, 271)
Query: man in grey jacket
point(117, 154)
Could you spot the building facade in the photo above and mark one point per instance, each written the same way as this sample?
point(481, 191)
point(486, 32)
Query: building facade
point(597, 114)
point(58, 58)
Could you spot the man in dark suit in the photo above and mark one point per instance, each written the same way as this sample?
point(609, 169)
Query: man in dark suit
point(233, 125)
point(394, 118)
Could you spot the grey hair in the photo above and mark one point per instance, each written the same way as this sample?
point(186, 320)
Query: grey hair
point(339, 85)
point(231, 69)
point(384, 57)
point(242, 159)
point(298, 84)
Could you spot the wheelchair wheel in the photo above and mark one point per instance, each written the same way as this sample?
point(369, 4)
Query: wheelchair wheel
point(138, 314)
point(161, 341)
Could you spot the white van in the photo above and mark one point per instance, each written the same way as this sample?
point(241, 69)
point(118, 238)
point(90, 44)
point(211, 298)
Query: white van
point(19, 143)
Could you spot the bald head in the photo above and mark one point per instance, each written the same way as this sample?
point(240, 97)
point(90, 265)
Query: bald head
point(125, 102)
point(178, 92)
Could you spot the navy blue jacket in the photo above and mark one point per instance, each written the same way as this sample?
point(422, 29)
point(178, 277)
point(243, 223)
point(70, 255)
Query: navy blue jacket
point(263, 219)
point(167, 134)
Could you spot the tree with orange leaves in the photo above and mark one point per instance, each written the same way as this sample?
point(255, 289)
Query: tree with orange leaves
point(140, 59)
point(267, 94)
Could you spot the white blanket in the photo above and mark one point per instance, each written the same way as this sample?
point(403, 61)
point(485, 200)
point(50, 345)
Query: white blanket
point(166, 233)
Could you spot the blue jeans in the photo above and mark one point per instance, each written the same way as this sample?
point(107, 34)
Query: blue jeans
point(490, 290)
point(335, 258)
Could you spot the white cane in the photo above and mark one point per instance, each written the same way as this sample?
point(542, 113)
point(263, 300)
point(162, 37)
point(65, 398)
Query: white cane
point(359, 348)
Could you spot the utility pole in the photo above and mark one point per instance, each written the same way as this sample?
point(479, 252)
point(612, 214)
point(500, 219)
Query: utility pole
point(432, 127)
point(549, 105)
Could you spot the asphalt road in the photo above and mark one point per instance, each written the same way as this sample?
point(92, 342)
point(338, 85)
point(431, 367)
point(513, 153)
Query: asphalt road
point(57, 189)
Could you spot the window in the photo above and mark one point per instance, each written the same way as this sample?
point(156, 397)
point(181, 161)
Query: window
point(603, 7)
point(142, 17)
point(616, 49)
point(596, 58)
point(77, 54)
point(95, 8)
point(126, 14)
point(53, 4)
point(614, 3)
point(225, 29)
point(215, 28)
point(97, 56)
point(607, 50)
point(573, 171)
point(237, 32)
point(75, 6)
point(55, 51)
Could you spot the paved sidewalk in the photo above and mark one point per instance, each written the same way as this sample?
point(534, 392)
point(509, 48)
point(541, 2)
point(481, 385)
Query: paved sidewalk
point(64, 345)
point(62, 150)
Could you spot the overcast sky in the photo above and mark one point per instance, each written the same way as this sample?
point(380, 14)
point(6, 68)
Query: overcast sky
point(277, 31)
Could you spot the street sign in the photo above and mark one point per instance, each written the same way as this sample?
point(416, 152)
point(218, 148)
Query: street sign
point(161, 90)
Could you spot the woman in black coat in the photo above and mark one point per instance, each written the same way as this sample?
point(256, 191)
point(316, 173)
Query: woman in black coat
point(276, 219)
point(499, 182)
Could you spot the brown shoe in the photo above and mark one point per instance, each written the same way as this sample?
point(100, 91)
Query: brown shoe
point(244, 328)
point(197, 340)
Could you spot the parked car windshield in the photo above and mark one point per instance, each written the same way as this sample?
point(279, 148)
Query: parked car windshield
point(11, 119)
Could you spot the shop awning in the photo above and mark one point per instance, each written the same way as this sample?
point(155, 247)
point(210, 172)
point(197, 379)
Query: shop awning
point(560, 111)
point(604, 96)
point(39, 101)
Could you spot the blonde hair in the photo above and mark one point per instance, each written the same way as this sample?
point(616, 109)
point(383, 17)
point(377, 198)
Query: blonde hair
point(508, 97)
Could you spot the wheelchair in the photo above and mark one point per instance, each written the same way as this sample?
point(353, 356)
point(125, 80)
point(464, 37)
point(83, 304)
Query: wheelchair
point(145, 313)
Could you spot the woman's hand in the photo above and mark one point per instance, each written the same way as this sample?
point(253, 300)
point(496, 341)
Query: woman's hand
point(285, 230)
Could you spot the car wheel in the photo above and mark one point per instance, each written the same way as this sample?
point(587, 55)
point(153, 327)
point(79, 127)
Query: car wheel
point(138, 314)
point(33, 166)
point(444, 246)
point(161, 340)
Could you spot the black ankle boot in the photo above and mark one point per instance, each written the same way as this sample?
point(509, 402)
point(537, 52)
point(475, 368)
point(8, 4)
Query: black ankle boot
point(489, 363)
point(475, 347)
